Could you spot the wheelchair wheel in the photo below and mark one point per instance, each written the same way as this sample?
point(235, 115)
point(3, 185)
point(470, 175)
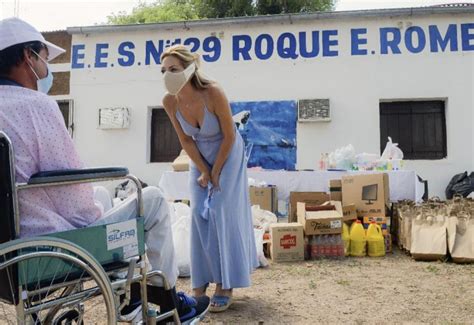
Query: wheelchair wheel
point(52, 281)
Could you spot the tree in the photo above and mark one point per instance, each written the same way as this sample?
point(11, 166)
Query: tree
point(176, 10)
point(168, 10)
point(273, 7)
point(223, 8)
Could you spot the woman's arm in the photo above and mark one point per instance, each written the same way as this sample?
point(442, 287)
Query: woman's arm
point(220, 104)
point(187, 142)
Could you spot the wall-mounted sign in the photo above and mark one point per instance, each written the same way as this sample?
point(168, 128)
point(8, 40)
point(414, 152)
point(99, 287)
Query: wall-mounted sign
point(314, 110)
point(114, 118)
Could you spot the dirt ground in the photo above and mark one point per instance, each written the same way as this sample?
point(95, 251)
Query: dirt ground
point(393, 289)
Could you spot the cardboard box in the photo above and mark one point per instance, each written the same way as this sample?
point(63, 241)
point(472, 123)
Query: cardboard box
point(384, 223)
point(319, 222)
point(287, 242)
point(335, 189)
point(369, 192)
point(266, 197)
point(349, 212)
point(381, 220)
point(313, 198)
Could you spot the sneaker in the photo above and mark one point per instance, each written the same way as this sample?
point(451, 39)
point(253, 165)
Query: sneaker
point(135, 316)
point(192, 309)
point(132, 313)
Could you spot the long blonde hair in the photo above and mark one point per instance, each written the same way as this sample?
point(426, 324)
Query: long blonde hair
point(198, 80)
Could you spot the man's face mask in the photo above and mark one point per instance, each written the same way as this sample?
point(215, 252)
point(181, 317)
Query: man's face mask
point(45, 84)
point(175, 81)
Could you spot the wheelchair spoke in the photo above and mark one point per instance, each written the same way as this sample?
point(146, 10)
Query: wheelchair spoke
point(58, 287)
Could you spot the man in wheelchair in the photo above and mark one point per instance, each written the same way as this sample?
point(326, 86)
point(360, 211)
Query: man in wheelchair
point(41, 141)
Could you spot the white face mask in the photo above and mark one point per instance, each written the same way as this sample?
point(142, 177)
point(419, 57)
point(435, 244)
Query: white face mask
point(45, 84)
point(175, 81)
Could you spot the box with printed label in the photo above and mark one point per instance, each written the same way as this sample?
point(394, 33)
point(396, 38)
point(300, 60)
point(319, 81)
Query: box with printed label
point(384, 223)
point(369, 193)
point(287, 242)
point(265, 197)
point(313, 198)
point(349, 212)
point(319, 220)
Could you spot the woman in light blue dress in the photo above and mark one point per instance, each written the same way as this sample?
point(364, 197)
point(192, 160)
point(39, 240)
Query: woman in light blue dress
point(222, 239)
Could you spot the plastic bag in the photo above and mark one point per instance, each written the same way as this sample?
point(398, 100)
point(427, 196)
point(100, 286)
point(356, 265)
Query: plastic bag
point(342, 158)
point(263, 218)
point(391, 151)
point(258, 232)
point(460, 184)
point(181, 229)
point(366, 161)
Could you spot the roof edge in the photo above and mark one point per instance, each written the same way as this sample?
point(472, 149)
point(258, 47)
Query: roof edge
point(419, 11)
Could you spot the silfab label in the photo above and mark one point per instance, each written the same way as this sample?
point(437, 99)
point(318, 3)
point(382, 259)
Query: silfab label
point(288, 241)
point(123, 234)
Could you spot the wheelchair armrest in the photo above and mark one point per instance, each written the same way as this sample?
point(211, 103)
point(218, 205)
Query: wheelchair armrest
point(72, 175)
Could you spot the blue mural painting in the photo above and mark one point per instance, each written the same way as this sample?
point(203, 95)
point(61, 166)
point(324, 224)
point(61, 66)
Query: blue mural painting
point(269, 132)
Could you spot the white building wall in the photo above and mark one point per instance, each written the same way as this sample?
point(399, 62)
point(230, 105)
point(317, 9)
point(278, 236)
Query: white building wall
point(354, 84)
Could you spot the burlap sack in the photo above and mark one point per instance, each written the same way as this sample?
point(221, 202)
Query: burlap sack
point(428, 238)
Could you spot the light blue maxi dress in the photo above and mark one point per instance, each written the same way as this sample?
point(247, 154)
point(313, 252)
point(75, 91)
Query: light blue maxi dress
point(222, 237)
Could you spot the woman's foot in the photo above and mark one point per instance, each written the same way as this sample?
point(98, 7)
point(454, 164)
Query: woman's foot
point(221, 300)
point(199, 292)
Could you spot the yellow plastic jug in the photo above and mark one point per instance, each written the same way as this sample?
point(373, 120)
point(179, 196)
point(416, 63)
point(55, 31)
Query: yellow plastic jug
point(358, 239)
point(346, 238)
point(375, 240)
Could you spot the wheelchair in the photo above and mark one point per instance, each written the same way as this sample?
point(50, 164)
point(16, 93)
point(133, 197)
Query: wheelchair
point(70, 277)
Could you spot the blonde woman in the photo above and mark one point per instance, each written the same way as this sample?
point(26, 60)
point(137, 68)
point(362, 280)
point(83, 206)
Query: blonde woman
point(222, 239)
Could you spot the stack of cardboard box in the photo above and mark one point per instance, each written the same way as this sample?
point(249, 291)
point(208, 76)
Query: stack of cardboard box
point(316, 218)
point(370, 193)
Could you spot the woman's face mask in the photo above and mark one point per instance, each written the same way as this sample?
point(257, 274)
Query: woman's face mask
point(175, 81)
point(45, 84)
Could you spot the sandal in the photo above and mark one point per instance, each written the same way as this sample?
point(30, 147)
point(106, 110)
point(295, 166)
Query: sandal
point(220, 303)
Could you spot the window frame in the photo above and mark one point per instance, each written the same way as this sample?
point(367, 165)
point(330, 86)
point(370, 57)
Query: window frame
point(411, 108)
point(70, 122)
point(152, 157)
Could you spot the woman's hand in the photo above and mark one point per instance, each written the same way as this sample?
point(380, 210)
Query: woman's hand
point(204, 179)
point(215, 175)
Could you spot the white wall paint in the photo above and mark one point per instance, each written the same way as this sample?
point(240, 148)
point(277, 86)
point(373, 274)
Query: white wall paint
point(355, 85)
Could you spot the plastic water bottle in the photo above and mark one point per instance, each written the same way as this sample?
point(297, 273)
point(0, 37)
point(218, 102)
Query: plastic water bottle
point(320, 244)
point(314, 249)
point(340, 247)
point(325, 246)
point(346, 239)
point(322, 162)
point(336, 245)
point(307, 248)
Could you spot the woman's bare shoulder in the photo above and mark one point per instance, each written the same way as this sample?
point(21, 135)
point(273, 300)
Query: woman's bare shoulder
point(216, 97)
point(214, 90)
point(169, 102)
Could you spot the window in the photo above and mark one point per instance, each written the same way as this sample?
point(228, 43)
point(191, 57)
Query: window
point(165, 146)
point(66, 108)
point(419, 128)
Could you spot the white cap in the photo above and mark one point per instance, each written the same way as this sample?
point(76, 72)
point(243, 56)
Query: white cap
point(15, 31)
